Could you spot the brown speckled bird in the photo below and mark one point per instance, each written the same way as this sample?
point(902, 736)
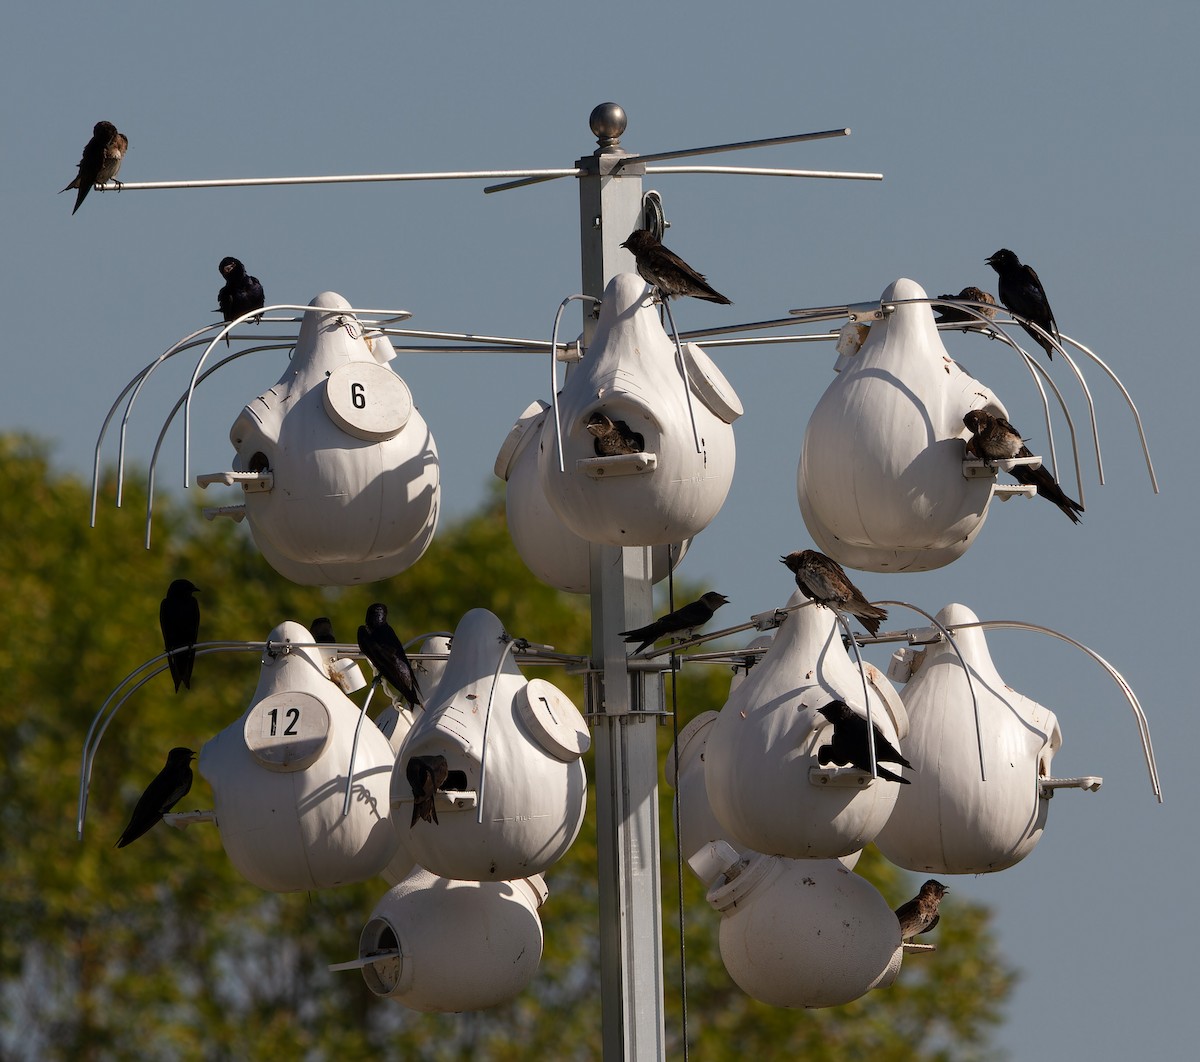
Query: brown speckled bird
point(426, 775)
point(958, 315)
point(823, 580)
point(920, 914)
point(614, 437)
point(665, 271)
point(102, 157)
point(994, 439)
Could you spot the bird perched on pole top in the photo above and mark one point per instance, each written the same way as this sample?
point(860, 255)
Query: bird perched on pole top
point(241, 293)
point(685, 618)
point(102, 158)
point(385, 651)
point(666, 272)
point(823, 580)
point(920, 914)
point(1021, 292)
point(179, 619)
point(994, 439)
point(169, 787)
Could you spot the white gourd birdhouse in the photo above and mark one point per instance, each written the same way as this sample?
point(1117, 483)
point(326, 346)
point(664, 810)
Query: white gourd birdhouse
point(551, 551)
point(950, 821)
point(762, 774)
point(514, 791)
point(805, 932)
point(446, 945)
point(354, 488)
point(880, 480)
point(278, 777)
point(670, 489)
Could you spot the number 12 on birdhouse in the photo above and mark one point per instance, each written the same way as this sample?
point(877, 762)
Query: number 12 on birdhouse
point(287, 731)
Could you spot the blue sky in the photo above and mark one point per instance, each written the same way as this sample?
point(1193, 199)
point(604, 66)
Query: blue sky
point(1064, 131)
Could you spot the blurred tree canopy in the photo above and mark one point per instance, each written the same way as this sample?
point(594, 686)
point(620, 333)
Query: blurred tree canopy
point(161, 951)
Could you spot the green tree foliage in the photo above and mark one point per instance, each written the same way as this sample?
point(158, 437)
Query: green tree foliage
point(161, 951)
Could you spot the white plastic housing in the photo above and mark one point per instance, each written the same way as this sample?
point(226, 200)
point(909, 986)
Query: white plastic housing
point(523, 765)
point(356, 479)
point(764, 745)
point(805, 932)
point(631, 373)
point(464, 945)
point(551, 551)
point(278, 776)
point(949, 821)
point(880, 480)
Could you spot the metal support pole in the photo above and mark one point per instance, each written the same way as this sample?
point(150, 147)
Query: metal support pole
point(626, 739)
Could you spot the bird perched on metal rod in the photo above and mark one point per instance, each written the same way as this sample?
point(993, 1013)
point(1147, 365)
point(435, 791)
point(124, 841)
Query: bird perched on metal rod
point(994, 439)
point(613, 437)
point(666, 271)
point(179, 620)
point(169, 787)
point(385, 651)
point(685, 618)
point(823, 580)
point(963, 315)
point(426, 775)
point(102, 157)
point(848, 746)
point(241, 293)
point(1021, 292)
point(920, 914)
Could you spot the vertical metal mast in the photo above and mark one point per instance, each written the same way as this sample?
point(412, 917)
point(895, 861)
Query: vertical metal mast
point(625, 731)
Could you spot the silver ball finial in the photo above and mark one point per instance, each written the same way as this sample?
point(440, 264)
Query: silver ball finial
point(608, 122)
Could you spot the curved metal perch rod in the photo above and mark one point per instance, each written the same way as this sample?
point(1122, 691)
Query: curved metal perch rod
point(554, 370)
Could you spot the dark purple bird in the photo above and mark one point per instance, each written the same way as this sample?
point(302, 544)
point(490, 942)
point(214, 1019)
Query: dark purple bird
point(920, 914)
point(994, 439)
point(823, 580)
point(685, 618)
point(102, 157)
point(168, 788)
point(426, 775)
point(849, 743)
point(241, 293)
point(666, 271)
point(613, 437)
point(957, 315)
point(179, 619)
point(385, 651)
point(322, 631)
point(1021, 292)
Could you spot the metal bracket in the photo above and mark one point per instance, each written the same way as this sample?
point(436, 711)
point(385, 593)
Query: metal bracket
point(973, 468)
point(839, 777)
point(617, 465)
point(446, 800)
point(236, 513)
point(181, 820)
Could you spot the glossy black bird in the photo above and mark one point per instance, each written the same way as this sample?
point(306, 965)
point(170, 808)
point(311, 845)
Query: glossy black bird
point(322, 631)
point(956, 315)
point(241, 293)
point(995, 439)
point(1021, 291)
point(613, 437)
point(666, 271)
point(849, 743)
point(385, 651)
point(168, 788)
point(920, 914)
point(823, 580)
point(102, 157)
point(685, 618)
point(426, 775)
point(179, 618)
